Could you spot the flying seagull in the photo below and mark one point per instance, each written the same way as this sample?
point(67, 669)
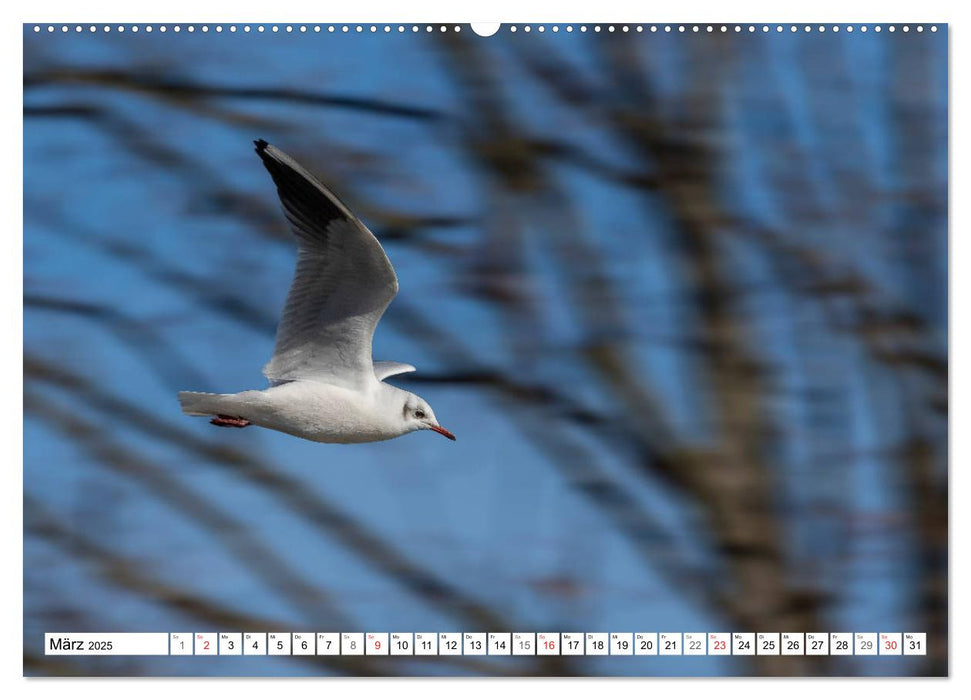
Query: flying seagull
point(324, 385)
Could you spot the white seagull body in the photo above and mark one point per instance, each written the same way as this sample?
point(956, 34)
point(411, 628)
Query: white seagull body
point(324, 385)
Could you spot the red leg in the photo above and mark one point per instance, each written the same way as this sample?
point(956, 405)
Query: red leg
point(229, 421)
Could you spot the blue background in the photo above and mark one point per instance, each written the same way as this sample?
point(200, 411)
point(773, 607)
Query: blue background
point(545, 199)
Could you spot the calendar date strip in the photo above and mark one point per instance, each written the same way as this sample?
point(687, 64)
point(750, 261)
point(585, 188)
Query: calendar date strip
point(486, 644)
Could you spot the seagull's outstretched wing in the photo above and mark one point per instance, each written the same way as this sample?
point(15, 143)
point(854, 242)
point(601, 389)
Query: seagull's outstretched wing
point(341, 287)
point(384, 369)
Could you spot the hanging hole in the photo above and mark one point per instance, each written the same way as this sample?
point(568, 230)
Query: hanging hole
point(485, 28)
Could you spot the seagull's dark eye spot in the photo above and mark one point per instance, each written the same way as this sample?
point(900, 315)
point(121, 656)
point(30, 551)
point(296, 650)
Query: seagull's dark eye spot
point(419, 414)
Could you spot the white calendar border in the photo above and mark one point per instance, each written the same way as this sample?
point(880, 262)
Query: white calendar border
point(11, 645)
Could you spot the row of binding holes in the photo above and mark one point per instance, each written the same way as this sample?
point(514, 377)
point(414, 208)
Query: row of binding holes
point(710, 28)
point(346, 29)
point(260, 28)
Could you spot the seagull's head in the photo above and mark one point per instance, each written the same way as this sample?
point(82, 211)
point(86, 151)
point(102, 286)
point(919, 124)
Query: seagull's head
point(419, 415)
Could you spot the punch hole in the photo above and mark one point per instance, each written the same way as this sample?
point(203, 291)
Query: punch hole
point(485, 28)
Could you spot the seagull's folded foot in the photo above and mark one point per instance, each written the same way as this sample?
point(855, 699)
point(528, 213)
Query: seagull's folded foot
point(229, 421)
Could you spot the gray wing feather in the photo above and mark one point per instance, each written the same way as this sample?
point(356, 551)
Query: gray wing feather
point(342, 285)
point(383, 370)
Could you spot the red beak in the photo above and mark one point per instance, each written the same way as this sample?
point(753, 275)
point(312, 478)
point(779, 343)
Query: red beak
point(441, 431)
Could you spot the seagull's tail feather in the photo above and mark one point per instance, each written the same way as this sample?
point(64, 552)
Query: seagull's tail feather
point(197, 403)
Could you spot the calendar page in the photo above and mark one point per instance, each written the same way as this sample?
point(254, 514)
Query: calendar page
point(485, 350)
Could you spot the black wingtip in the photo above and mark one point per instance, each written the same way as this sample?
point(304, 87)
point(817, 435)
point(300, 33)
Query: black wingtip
point(261, 146)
